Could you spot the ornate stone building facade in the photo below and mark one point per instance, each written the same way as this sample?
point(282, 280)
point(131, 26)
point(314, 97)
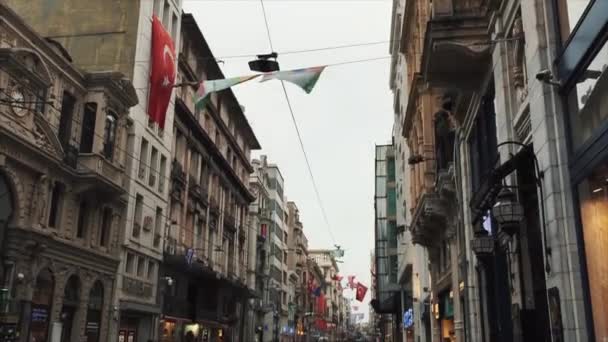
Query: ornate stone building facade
point(489, 185)
point(206, 249)
point(118, 37)
point(63, 136)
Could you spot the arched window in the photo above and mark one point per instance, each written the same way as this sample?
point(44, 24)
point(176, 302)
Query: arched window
point(71, 297)
point(42, 302)
point(94, 312)
point(6, 213)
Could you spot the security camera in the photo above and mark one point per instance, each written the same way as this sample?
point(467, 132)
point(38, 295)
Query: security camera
point(546, 76)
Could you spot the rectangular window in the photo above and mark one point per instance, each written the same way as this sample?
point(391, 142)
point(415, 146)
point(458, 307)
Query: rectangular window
point(87, 131)
point(151, 269)
point(156, 9)
point(587, 99)
point(143, 159)
point(130, 263)
point(106, 227)
point(55, 211)
point(138, 215)
point(109, 135)
point(65, 121)
point(161, 174)
point(158, 226)
point(194, 160)
point(570, 11)
point(83, 213)
point(141, 265)
point(166, 15)
point(593, 201)
point(153, 166)
point(174, 26)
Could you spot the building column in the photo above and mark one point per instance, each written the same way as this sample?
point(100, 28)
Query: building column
point(80, 321)
point(458, 319)
point(24, 294)
point(434, 268)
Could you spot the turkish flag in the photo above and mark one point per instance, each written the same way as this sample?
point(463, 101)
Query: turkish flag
point(361, 291)
point(321, 305)
point(162, 75)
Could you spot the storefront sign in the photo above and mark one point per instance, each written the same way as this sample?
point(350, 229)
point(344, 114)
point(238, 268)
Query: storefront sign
point(408, 318)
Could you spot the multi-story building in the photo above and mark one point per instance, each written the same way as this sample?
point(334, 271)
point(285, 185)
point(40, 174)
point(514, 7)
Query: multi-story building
point(315, 315)
point(296, 263)
point(116, 35)
point(327, 262)
point(63, 170)
point(387, 236)
point(413, 272)
point(259, 213)
point(507, 177)
point(275, 309)
point(206, 248)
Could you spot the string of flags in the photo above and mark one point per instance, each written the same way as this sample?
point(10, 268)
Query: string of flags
point(359, 288)
point(305, 78)
point(163, 76)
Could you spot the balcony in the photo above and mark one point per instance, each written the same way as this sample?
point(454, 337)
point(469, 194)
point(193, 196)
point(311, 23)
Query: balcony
point(265, 214)
point(198, 192)
point(103, 171)
point(136, 287)
point(457, 46)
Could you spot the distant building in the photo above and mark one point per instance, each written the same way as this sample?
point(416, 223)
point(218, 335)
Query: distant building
point(207, 244)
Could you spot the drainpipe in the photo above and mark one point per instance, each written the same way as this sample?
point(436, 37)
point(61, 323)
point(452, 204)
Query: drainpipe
point(458, 313)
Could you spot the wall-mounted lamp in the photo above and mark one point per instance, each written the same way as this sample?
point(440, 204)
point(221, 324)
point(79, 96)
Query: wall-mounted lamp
point(507, 211)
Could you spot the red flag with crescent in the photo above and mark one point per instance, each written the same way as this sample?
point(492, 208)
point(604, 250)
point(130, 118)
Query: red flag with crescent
point(361, 291)
point(162, 73)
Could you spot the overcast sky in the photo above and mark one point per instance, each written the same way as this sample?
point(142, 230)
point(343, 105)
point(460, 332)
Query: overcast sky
point(348, 112)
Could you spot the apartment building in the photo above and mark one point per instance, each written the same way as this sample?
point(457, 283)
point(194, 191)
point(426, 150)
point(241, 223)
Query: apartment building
point(206, 292)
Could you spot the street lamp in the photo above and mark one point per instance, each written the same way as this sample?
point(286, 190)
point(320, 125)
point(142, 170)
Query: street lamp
point(507, 211)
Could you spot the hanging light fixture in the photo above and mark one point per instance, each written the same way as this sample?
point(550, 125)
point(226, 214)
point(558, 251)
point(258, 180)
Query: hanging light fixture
point(507, 211)
point(483, 246)
point(264, 63)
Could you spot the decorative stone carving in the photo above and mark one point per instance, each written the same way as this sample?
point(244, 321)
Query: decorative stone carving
point(444, 134)
point(41, 199)
point(518, 58)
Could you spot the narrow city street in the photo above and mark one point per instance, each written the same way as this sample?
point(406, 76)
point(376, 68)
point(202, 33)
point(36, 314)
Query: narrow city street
point(303, 170)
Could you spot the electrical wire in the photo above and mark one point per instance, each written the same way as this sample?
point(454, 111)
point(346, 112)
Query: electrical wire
point(289, 52)
point(267, 27)
point(293, 118)
point(312, 178)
